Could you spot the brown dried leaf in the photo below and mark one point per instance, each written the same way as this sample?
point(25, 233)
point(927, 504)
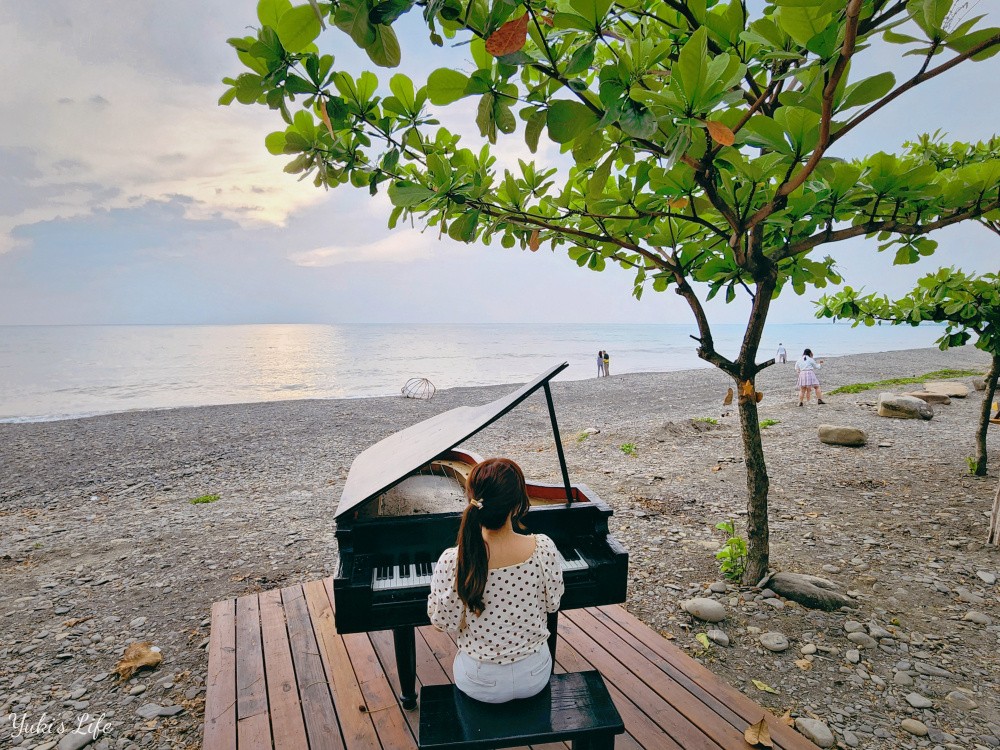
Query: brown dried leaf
point(720, 133)
point(716, 468)
point(534, 242)
point(786, 718)
point(76, 621)
point(325, 117)
point(759, 397)
point(746, 389)
point(137, 656)
point(679, 203)
point(547, 20)
point(804, 664)
point(758, 734)
point(509, 38)
point(729, 398)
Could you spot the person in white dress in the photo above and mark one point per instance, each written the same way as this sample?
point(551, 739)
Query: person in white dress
point(496, 588)
point(806, 368)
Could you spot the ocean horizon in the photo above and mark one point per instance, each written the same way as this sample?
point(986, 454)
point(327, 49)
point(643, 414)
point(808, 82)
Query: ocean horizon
point(64, 372)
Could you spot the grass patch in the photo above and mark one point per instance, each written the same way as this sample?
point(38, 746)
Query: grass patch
point(581, 436)
point(629, 449)
point(203, 499)
point(706, 420)
point(936, 375)
point(765, 423)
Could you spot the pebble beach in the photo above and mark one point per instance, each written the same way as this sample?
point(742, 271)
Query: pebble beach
point(102, 547)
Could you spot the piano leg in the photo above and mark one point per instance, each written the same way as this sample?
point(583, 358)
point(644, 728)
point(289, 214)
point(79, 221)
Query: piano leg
point(404, 641)
point(552, 621)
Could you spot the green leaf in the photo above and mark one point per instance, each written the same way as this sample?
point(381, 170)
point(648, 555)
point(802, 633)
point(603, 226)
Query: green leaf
point(485, 118)
point(352, 18)
point(802, 24)
point(298, 28)
point(868, 90)
point(408, 194)
point(532, 131)
point(275, 143)
point(581, 59)
point(402, 88)
point(445, 86)
point(637, 121)
point(567, 119)
point(592, 10)
point(599, 179)
point(463, 229)
point(690, 69)
point(269, 11)
point(384, 49)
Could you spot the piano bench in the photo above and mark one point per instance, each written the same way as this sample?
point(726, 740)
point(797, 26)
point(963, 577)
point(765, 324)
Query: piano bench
point(575, 706)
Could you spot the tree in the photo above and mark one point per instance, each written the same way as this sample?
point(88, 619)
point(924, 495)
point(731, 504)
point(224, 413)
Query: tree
point(699, 139)
point(965, 304)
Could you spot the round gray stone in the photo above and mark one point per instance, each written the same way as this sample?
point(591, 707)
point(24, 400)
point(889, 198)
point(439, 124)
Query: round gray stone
point(862, 639)
point(832, 434)
point(774, 641)
point(815, 730)
point(719, 637)
point(708, 610)
point(914, 727)
point(918, 701)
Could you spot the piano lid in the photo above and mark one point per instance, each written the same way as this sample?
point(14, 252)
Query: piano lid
point(379, 467)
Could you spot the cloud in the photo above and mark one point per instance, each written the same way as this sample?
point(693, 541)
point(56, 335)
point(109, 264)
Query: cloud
point(98, 122)
point(400, 247)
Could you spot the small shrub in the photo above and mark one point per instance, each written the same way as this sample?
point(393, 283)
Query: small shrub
point(765, 423)
point(706, 420)
point(732, 556)
point(629, 449)
point(972, 464)
point(581, 436)
point(203, 499)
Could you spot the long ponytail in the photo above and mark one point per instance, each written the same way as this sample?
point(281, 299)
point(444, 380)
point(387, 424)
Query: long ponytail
point(495, 491)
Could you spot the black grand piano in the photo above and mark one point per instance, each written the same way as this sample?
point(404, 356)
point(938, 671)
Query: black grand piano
point(401, 507)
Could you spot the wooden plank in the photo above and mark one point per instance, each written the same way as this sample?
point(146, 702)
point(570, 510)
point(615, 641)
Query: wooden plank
point(665, 715)
point(352, 709)
point(697, 713)
point(314, 692)
point(723, 698)
point(220, 686)
point(387, 715)
point(253, 728)
point(643, 730)
point(287, 722)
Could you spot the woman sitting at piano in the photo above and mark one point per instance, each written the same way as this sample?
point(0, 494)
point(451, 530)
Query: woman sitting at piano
point(495, 589)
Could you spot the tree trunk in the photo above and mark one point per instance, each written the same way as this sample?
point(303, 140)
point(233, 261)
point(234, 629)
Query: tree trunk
point(984, 416)
point(994, 537)
point(758, 546)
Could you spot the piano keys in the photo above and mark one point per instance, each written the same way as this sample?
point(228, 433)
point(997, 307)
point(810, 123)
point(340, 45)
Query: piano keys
point(401, 508)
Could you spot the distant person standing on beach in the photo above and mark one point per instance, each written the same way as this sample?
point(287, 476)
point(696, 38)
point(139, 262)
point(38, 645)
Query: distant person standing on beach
point(806, 367)
point(600, 363)
point(607, 364)
point(782, 356)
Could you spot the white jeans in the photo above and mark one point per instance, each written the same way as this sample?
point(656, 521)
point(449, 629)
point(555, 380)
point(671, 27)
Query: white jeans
point(499, 683)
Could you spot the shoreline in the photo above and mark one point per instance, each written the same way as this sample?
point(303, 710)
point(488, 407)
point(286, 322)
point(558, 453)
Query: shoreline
point(37, 419)
point(102, 546)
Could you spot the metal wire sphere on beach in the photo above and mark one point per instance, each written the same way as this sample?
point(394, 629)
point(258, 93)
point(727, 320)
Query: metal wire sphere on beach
point(419, 388)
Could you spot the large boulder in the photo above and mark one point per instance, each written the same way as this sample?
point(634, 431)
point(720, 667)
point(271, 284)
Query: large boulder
point(809, 591)
point(903, 407)
point(930, 397)
point(947, 387)
point(838, 435)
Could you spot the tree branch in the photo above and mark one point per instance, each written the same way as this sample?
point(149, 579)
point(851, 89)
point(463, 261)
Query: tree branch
point(915, 81)
point(871, 227)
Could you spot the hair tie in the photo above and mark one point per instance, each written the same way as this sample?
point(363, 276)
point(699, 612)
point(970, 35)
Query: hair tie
point(477, 503)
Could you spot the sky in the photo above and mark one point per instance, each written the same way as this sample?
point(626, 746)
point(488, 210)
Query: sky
point(127, 195)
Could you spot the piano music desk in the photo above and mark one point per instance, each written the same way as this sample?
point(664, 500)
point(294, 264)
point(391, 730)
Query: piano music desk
point(281, 677)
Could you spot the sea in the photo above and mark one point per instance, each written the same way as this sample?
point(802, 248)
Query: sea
point(61, 372)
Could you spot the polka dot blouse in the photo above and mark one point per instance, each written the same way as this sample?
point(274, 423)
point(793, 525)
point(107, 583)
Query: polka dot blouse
point(517, 598)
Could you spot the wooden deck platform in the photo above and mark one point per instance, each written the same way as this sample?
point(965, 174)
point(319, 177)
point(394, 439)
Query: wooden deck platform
point(279, 676)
